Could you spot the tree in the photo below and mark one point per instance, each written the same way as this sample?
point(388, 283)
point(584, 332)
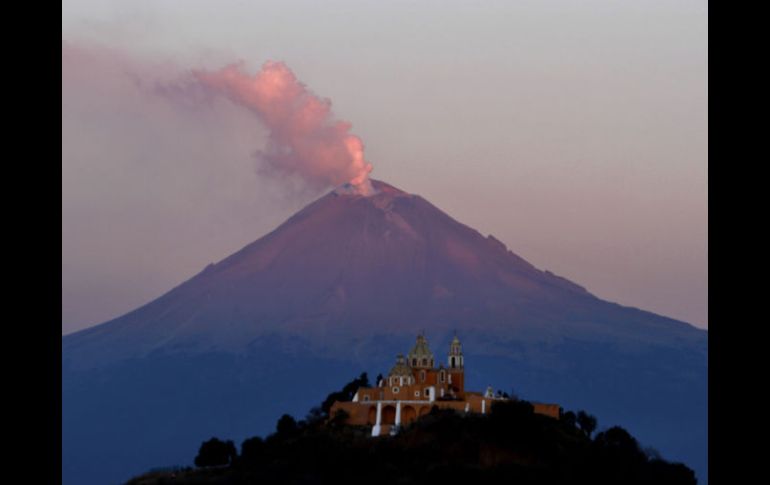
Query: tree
point(286, 425)
point(252, 449)
point(569, 419)
point(216, 452)
point(586, 422)
point(652, 453)
point(620, 448)
point(617, 439)
point(315, 416)
point(346, 394)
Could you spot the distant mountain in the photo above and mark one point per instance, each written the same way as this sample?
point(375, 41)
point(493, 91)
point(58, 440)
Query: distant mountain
point(341, 287)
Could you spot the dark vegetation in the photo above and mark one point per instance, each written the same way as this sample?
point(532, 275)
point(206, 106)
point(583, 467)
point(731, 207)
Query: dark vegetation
point(215, 452)
point(510, 445)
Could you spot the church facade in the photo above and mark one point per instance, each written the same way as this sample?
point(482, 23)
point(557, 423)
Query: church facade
point(415, 385)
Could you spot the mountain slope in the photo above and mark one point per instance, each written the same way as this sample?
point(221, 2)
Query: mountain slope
point(352, 264)
point(345, 284)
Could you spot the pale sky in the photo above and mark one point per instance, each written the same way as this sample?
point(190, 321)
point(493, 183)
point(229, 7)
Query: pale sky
point(574, 132)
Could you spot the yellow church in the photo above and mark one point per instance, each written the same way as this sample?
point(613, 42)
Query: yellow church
point(414, 386)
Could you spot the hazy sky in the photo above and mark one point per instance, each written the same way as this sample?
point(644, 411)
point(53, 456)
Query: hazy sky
point(574, 132)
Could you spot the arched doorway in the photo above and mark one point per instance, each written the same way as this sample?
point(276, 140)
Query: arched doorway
point(372, 417)
point(424, 410)
point(408, 414)
point(389, 415)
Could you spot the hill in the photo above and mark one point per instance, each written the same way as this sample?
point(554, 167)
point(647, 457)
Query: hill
point(512, 444)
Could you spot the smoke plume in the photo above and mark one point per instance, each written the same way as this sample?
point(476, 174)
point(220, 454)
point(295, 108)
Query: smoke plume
point(305, 140)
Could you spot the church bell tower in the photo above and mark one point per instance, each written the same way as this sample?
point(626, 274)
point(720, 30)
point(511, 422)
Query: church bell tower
point(455, 358)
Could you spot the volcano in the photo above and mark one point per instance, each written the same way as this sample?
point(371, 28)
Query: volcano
point(340, 288)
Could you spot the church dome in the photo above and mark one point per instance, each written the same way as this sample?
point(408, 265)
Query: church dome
point(400, 369)
point(420, 355)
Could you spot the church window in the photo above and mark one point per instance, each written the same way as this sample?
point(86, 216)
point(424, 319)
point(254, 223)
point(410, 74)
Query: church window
point(395, 390)
point(414, 362)
point(366, 398)
point(427, 392)
point(422, 376)
point(443, 376)
point(424, 361)
point(453, 362)
point(416, 393)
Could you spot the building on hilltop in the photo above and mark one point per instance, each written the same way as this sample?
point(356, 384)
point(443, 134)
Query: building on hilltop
point(415, 385)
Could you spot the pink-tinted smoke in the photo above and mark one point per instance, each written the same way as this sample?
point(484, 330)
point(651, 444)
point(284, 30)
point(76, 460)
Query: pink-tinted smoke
point(305, 139)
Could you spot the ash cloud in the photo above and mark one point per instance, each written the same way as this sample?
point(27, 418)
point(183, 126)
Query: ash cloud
point(155, 156)
point(305, 139)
